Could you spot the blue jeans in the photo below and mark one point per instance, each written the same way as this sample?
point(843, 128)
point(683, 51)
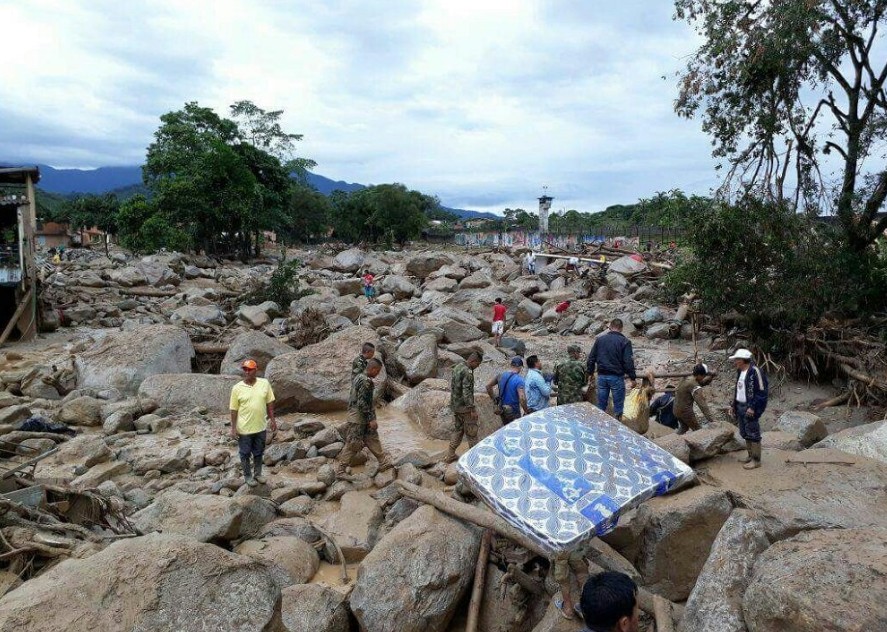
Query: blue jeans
point(251, 444)
point(749, 427)
point(607, 384)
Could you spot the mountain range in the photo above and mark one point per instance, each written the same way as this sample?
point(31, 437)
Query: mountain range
point(128, 180)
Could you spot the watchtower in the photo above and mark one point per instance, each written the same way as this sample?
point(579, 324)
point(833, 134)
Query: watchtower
point(544, 207)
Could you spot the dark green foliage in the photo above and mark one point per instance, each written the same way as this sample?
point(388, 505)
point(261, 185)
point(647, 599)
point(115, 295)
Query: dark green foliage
point(779, 270)
point(384, 212)
point(143, 229)
point(282, 286)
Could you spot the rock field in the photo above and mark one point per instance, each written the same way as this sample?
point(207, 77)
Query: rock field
point(140, 355)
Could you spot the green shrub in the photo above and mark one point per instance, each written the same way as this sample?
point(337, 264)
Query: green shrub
point(781, 271)
point(282, 286)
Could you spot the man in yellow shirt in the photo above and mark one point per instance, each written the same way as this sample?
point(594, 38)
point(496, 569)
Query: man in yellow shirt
point(251, 400)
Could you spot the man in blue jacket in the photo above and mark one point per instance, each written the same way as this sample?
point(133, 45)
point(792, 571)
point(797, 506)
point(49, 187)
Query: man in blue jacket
point(613, 357)
point(749, 403)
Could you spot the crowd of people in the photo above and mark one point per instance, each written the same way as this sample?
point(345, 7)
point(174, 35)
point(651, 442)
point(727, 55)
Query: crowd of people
point(608, 601)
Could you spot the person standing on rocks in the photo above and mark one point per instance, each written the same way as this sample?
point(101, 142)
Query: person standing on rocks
point(363, 430)
point(462, 404)
point(610, 603)
point(613, 357)
point(538, 387)
point(690, 391)
point(499, 320)
point(512, 396)
point(570, 570)
point(368, 290)
point(749, 403)
point(570, 377)
point(252, 406)
point(531, 262)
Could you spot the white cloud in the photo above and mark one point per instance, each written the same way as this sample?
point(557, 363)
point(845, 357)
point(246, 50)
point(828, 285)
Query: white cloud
point(480, 103)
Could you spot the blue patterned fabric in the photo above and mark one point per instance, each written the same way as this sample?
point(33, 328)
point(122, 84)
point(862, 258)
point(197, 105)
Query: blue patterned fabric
point(564, 475)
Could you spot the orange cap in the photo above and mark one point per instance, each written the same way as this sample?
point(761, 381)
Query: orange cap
point(249, 365)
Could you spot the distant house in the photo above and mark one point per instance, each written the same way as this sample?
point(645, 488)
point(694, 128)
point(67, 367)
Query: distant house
point(51, 235)
point(471, 224)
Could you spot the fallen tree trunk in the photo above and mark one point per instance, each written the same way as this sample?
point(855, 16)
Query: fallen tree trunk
point(148, 291)
point(210, 347)
point(480, 575)
point(484, 518)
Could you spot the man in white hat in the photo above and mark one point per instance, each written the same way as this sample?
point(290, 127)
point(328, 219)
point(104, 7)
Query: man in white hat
point(749, 403)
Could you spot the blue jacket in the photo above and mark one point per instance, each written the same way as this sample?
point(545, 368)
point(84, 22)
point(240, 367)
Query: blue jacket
point(612, 355)
point(757, 389)
point(538, 390)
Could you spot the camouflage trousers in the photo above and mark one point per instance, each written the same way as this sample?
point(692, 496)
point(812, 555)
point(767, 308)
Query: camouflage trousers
point(571, 562)
point(358, 436)
point(465, 426)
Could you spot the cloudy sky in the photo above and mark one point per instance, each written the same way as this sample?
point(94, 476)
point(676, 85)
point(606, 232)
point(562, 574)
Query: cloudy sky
point(481, 103)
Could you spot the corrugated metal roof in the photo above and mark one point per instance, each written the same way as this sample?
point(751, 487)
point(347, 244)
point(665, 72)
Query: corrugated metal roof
point(18, 175)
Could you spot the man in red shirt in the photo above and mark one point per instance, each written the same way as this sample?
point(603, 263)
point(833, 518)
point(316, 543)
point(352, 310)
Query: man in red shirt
point(562, 307)
point(499, 320)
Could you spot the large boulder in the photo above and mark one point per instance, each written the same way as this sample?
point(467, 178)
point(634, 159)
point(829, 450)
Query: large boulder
point(399, 287)
point(626, 265)
point(422, 265)
point(252, 345)
point(81, 411)
point(716, 600)
point(123, 360)
point(204, 517)
point(678, 534)
point(184, 391)
point(428, 407)
point(868, 440)
point(454, 331)
point(708, 441)
point(479, 303)
point(257, 316)
point(527, 311)
point(317, 378)
point(417, 357)
point(429, 559)
point(290, 560)
point(349, 260)
point(806, 426)
point(354, 525)
point(314, 608)
point(207, 314)
point(828, 580)
point(155, 582)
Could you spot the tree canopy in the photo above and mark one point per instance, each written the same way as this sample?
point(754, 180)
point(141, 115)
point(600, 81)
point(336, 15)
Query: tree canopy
point(793, 94)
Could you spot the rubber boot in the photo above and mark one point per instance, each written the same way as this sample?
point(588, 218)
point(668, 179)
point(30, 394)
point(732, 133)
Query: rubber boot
point(755, 461)
point(248, 472)
point(257, 469)
point(748, 457)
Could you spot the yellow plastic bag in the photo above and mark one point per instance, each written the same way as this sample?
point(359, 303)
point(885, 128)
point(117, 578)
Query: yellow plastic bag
point(636, 412)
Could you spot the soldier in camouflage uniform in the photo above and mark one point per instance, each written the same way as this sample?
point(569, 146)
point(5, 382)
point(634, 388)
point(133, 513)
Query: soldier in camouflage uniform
point(570, 377)
point(462, 404)
point(362, 429)
point(359, 365)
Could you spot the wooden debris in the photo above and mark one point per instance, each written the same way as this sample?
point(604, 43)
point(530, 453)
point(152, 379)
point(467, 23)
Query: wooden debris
point(480, 575)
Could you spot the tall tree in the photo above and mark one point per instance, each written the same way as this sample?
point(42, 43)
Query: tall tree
point(93, 211)
point(793, 94)
point(222, 181)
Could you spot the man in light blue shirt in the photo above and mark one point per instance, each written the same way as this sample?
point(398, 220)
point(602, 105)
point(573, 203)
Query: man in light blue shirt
point(538, 387)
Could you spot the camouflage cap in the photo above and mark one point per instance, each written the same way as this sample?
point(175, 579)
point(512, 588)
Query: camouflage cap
point(574, 349)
